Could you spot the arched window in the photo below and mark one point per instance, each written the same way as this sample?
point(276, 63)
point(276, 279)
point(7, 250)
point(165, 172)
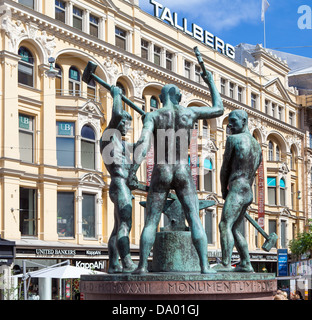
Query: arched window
point(74, 82)
point(282, 192)
point(278, 153)
point(26, 67)
point(58, 80)
point(87, 147)
point(271, 151)
point(208, 175)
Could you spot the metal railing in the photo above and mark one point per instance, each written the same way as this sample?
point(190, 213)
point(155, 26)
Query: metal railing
point(76, 94)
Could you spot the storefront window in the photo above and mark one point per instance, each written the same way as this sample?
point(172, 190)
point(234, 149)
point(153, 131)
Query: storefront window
point(65, 214)
point(28, 212)
point(88, 215)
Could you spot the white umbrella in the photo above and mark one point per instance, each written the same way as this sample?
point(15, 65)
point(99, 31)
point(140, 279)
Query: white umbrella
point(63, 272)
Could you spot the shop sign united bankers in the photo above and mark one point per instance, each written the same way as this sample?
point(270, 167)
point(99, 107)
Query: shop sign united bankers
point(195, 31)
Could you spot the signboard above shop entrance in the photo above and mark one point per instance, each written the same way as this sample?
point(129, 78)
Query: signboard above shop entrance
point(165, 14)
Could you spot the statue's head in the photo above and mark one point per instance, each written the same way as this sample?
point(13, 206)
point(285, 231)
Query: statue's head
point(170, 92)
point(238, 121)
point(125, 123)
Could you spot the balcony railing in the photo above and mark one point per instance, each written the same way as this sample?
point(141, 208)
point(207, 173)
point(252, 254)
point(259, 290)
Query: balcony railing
point(77, 94)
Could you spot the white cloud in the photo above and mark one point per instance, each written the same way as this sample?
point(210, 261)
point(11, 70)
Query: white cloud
point(216, 15)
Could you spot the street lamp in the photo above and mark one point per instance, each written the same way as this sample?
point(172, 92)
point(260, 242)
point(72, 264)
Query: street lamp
point(51, 73)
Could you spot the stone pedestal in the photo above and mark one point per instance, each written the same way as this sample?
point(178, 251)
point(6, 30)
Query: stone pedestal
point(176, 276)
point(179, 286)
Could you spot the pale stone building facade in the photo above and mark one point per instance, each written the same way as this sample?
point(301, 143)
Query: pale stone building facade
point(54, 186)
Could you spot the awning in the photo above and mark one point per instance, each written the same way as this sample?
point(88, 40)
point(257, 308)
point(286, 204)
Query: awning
point(62, 272)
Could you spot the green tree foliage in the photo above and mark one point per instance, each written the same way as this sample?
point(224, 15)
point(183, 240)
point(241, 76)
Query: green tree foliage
point(303, 243)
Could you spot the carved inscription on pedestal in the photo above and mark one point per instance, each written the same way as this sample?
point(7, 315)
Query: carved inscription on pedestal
point(179, 287)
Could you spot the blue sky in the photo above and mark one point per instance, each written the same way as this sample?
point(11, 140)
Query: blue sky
point(239, 21)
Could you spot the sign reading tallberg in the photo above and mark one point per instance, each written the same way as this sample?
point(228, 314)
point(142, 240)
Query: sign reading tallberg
point(196, 31)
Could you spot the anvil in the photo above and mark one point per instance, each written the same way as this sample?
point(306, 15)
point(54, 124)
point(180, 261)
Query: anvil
point(174, 211)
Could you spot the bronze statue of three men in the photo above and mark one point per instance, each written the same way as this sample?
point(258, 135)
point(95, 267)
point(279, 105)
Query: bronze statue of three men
point(170, 127)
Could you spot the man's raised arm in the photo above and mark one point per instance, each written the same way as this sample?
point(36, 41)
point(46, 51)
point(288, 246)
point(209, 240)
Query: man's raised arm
point(217, 108)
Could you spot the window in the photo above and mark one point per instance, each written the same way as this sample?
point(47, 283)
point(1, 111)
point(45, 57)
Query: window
point(26, 138)
point(27, 3)
point(169, 57)
point(187, 69)
point(278, 153)
point(94, 26)
point(88, 215)
point(65, 144)
point(28, 212)
point(120, 36)
point(271, 182)
point(282, 192)
point(74, 82)
point(144, 49)
point(271, 151)
point(154, 104)
point(198, 77)
point(208, 175)
point(240, 94)
point(223, 85)
point(157, 51)
point(77, 18)
point(87, 147)
point(232, 88)
point(26, 67)
point(272, 227)
point(60, 9)
point(209, 226)
point(254, 100)
point(91, 90)
point(310, 140)
point(283, 234)
point(293, 196)
point(267, 103)
point(273, 109)
point(291, 118)
point(280, 113)
point(65, 214)
point(58, 80)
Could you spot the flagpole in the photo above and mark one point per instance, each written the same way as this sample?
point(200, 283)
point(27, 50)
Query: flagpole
point(264, 31)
